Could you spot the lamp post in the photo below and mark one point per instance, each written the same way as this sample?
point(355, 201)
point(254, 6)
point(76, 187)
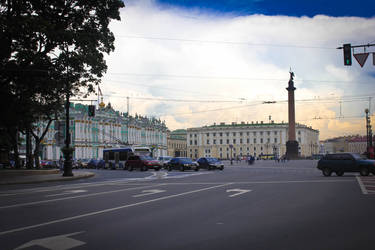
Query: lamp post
point(231, 154)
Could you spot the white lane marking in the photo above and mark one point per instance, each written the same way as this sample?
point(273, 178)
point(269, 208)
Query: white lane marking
point(59, 242)
point(363, 188)
point(259, 182)
point(79, 185)
point(67, 193)
point(238, 191)
point(149, 192)
point(111, 209)
point(78, 196)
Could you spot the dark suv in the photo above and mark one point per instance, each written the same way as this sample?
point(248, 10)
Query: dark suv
point(142, 162)
point(210, 163)
point(346, 162)
point(182, 163)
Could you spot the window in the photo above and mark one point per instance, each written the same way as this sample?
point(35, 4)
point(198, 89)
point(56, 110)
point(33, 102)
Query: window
point(255, 149)
point(268, 132)
point(261, 132)
point(195, 142)
point(227, 133)
point(254, 133)
point(191, 135)
point(221, 134)
point(299, 139)
point(299, 132)
point(191, 142)
point(214, 134)
point(247, 133)
point(227, 141)
point(240, 133)
point(268, 140)
point(214, 141)
point(275, 132)
point(255, 140)
point(247, 140)
point(240, 141)
point(234, 141)
point(261, 140)
point(221, 149)
point(221, 141)
point(275, 140)
point(208, 134)
point(208, 141)
point(234, 133)
point(195, 135)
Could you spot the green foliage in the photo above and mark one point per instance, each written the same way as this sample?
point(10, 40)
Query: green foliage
point(50, 49)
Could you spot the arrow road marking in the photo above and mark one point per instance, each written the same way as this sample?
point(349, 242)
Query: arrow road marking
point(60, 242)
point(238, 191)
point(68, 192)
point(149, 192)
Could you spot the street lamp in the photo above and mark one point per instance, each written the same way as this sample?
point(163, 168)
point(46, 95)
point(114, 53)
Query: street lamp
point(231, 154)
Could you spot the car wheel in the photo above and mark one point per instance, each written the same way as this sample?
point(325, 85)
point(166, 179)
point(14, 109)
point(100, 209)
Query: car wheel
point(169, 168)
point(130, 168)
point(364, 171)
point(196, 169)
point(182, 168)
point(327, 172)
point(340, 173)
point(157, 168)
point(144, 168)
point(222, 168)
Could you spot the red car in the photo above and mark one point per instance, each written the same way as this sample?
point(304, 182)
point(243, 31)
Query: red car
point(142, 162)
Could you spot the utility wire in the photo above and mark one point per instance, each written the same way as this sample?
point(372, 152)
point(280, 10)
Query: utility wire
point(225, 42)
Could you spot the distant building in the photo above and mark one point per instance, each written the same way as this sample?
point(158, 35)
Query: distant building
point(248, 139)
point(176, 141)
point(107, 129)
point(358, 144)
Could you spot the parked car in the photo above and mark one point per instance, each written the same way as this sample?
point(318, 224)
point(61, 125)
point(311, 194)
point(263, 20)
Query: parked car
point(346, 162)
point(182, 163)
point(142, 162)
point(82, 163)
point(210, 163)
point(49, 164)
point(164, 160)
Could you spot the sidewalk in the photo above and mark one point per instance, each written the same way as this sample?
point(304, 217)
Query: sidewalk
point(8, 177)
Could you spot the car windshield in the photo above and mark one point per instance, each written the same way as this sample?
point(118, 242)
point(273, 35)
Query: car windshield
point(212, 160)
point(186, 160)
point(148, 158)
point(359, 157)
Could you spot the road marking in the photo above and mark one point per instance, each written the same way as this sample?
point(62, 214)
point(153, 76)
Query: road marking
point(75, 197)
point(110, 209)
point(260, 182)
point(149, 192)
point(60, 242)
point(238, 191)
point(364, 190)
point(67, 193)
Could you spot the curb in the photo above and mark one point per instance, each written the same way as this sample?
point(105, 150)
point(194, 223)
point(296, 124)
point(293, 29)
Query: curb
point(83, 175)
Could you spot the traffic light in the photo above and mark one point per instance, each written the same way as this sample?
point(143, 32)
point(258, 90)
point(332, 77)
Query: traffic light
point(92, 110)
point(347, 54)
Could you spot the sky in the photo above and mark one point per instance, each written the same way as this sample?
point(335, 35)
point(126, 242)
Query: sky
point(196, 63)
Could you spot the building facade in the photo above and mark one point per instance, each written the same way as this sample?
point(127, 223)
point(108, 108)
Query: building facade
point(225, 141)
point(177, 146)
point(107, 129)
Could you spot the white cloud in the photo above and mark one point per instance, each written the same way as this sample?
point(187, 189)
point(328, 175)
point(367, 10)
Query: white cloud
point(254, 72)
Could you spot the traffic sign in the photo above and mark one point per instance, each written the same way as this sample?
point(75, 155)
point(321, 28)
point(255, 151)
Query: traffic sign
point(361, 58)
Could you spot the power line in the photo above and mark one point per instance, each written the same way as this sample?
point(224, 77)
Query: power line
point(225, 42)
point(227, 78)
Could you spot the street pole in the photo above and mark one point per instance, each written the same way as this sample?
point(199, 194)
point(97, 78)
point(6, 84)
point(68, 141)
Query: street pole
point(67, 151)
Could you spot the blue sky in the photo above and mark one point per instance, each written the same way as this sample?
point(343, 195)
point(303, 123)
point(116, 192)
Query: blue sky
point(195, 63)
point(362, 8)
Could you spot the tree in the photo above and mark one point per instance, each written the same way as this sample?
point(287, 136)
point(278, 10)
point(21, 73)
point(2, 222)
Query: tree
point(51, 50)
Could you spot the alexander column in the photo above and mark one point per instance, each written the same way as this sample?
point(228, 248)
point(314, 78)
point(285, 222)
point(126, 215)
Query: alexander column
point(291, 144)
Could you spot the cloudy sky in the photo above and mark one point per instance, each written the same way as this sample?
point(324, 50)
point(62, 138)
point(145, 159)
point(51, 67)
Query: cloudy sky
point(199, 62)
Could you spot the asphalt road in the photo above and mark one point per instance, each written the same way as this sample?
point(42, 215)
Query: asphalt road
point(265, 206)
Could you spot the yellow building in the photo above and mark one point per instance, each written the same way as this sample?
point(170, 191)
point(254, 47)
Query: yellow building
point(176, 141)
point(256, 138)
